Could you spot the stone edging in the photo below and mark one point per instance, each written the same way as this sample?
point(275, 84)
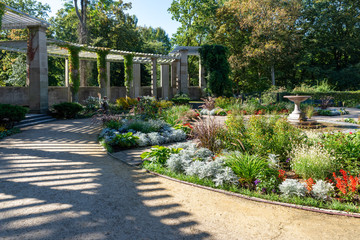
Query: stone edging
point(238, 195)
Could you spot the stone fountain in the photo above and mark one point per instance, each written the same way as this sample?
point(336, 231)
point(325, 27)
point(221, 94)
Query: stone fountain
point(297, 117)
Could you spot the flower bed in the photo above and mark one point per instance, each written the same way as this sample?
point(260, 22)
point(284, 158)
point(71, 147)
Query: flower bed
point(128, 133)
point(269, 158)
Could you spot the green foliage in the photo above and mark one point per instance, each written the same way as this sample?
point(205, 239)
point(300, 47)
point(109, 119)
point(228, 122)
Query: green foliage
point(18, 75)
point(159, 154)
point(143, 126)
point(10, 114)
point(147, 108)
point(125, 140)
point(181, 99)
point(74, 62)
point(346, 147)
point(101, 66)
point(2, 12)
point(66, 110)
point(113, 124)
point(155, 40)
point(128, 63)
point(271, 135)
point(246, 166)
point(174, 114)
point(214, 59)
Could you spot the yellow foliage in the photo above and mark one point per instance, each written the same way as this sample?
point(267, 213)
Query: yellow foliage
point(164, 104)
point(126, 102)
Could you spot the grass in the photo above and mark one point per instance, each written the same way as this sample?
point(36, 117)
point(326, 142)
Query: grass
point(304, 201)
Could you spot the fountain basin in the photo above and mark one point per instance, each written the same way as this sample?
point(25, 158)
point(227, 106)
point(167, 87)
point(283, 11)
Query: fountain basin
point(297, 117)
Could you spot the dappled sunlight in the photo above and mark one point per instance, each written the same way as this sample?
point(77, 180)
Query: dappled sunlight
point(57, 182)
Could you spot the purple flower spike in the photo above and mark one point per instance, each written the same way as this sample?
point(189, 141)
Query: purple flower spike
point(257, 181)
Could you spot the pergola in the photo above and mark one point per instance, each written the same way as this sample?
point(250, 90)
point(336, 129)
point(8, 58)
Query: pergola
point(38, 48)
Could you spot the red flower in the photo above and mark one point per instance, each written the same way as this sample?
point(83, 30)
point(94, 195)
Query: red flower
point(350, 132)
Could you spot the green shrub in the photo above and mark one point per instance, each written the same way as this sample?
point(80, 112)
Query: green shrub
point(143, 126)
point(125, 140)
point(113, 124)
point(159, 154)
point(10, 114)
point(247, 167)
point(271, 135)
point(174, 114)
point(181, 99)
point(66, 110)
point(312, 162)
point(346, 147)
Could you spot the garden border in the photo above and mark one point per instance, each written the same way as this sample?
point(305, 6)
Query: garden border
point(255, 199)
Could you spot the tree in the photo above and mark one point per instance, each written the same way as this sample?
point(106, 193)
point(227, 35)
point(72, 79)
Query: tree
point(155, 40)
point(331, 30)
point(260, 34)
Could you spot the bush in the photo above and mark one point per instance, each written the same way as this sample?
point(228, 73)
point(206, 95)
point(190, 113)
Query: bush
point(291, 187)
point(346, 148)
point(321, 189)
point(159, 154)
point(126, 102)
point(67, 110)
point(10, 114)
point(312, 162)
point(175, 114)
point(247, 167)
point(271, 135)
point(181, 99)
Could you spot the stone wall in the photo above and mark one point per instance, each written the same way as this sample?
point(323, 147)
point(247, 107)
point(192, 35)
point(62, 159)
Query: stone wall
point(15, 95)
point(20, 95)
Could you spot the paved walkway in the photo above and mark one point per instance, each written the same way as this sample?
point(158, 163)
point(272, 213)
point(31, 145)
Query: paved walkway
point(57, 183)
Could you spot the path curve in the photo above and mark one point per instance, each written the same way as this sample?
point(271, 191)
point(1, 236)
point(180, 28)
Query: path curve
point(56, 182)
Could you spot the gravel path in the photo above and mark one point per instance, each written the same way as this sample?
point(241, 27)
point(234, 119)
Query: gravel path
point(57, 183)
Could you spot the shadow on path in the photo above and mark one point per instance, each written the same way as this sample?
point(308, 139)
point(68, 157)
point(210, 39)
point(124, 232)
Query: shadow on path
point(57, 183)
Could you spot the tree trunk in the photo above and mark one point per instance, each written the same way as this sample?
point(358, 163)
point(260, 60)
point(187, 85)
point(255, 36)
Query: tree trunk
point(273, 75)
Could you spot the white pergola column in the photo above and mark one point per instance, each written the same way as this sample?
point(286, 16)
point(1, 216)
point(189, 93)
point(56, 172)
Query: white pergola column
point(153, 77)
point(184, 82)
point(37, 66)
point(136, 80)
point(165, 83)
point(108, 88)
point(202, 82)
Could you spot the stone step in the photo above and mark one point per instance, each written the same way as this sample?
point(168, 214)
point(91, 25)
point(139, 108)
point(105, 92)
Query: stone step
point(34, 119)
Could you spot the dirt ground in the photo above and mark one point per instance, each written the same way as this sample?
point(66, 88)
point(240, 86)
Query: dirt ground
point(56, 182)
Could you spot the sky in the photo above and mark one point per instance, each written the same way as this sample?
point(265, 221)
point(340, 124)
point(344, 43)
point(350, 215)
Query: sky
point(149, 13)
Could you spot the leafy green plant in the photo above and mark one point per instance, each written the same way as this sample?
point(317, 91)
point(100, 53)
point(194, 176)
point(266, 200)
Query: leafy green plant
point(175, 114)
point(346, 147)
point(7, 132)
point(159, 154)
point(125, 140)
point(147, 108)
point(247, 167)
point(181, 99)
point(113, 124)
point(10, 114)
point(66, 110)
point(309, 111)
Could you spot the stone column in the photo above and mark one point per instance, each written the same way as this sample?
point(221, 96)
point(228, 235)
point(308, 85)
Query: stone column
point(165, 83)
point(37, 66)
point(184, 82)
point(136, 80)
point(153, 77)
point(67, 77)
point(108, 88)
point(202, 82)
point(173, 77)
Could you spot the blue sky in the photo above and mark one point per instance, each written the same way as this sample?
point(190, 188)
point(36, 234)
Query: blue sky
point(149, 13)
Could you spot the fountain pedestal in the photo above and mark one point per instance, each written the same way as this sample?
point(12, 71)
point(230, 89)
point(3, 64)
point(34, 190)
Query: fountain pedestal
point(297, 116)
